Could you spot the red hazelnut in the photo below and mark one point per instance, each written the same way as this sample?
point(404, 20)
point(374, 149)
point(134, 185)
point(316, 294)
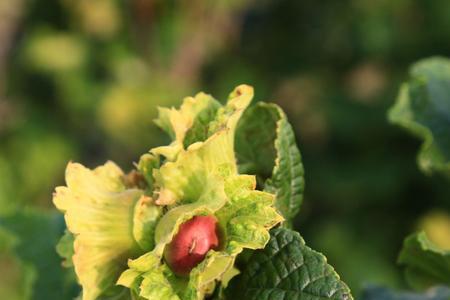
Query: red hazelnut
point(190, 245)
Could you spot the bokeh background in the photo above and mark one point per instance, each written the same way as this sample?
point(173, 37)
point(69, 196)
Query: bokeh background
point(81, 79)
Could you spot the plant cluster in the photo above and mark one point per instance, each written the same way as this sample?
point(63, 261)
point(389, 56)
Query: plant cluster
point(210, 214)
point(191, 216)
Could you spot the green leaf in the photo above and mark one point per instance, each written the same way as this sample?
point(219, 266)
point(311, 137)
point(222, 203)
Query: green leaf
point(147, 163)
point(200, 127)
point(426, 264)
point(35, 234)
point(156, 285)
point(247, 216)
point(65, 248)
point(186, 125)
point(150, 279)
point(194, 173)
point(287, 269)
point(199, 118)
point(423, 108)
point(380, 293)
point(194, 113)
point(265, 146)
point(145, 218)
point(255, 140)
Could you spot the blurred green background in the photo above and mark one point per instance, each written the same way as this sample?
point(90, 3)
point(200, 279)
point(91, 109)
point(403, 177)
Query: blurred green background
point(81, 79)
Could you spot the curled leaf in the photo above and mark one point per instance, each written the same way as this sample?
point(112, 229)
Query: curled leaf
point(426, 264)
point(423, 108)
point(266, 147)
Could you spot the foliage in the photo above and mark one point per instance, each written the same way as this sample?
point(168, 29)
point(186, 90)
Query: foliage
point(287, 269)
point(119, 219)
point(426, 264)
point(379, 293)
point(81, 80)
point(423, 107)
point(33, 236)
point(266, 147)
